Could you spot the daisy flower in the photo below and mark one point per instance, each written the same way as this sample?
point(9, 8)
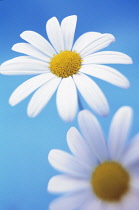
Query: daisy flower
point(99, 174)
point(62, 66)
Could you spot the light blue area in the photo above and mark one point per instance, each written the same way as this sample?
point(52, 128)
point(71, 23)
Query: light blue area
point(25, 143)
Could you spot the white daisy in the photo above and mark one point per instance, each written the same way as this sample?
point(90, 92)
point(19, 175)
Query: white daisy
point(62, 66)
point(100, 174)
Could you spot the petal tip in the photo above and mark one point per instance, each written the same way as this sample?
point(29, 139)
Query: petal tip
point(14, 47)
point(105, 113)
point(22, 33)
point(130, 60)
point(125, 111)
point(127, 85)
point(50, 155)
point(67, 117)
point(12, 102)
point(51, 19)
point(31, 114)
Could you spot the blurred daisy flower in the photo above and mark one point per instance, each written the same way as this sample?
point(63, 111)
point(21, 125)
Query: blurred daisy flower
point(100, 174)
point(62, 66)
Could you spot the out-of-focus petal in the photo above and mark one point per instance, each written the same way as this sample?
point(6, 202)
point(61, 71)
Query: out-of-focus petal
point(68, 164)
point(64, 183)
point(93, 134)
point(70, 202)
point(119, 130)
point(130, 157)
point(80, 148)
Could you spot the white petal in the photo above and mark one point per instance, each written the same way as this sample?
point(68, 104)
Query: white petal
point(134, 183)
point(103, 41)
point(130, 158)
point(85, 40)
point(66, 99)
point(24, 65)
point(107, 57)
point(93, 134)
point(80, 148)
point(92, 94)
point(119, 130)
point(28, 87)
point(42, 96)
point(18, 59)
point(30, 50)
point(68, 164)
point(68, 26)
point(64, 183)
point(54, 34)
point(112, 206)
point(93, 204)
point(39, 42)
point(130, 201)
point(106, 73)
point(70, 202)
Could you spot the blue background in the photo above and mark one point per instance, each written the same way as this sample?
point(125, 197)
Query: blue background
point(24, 142)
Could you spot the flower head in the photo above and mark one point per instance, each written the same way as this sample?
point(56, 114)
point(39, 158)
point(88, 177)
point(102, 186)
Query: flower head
point(99, 174)
point(62, 66)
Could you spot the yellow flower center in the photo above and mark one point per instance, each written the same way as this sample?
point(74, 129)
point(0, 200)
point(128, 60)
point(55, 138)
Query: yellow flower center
point(65, 63)
point(110, 181)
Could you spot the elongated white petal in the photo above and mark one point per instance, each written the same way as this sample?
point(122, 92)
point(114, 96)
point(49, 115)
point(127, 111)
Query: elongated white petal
point(68, 26)
point(68, 164)
point(93, 134)
point(92, 94)
point(103, 41)
point(119, 130)
point(54, 34)
point(28, 87)
point(28, 49)
point(107, 57)
point(18, 60)
point(85, 40)
point(130, 158)
point(39, 42)
point(66, 99)
point(70, 202)
point(106, 73)
point(65, 183)
point(42, 96)
point(24, 65)
point(80, 148)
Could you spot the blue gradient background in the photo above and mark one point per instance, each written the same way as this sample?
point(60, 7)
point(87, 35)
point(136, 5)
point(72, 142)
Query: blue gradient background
point(24, 142)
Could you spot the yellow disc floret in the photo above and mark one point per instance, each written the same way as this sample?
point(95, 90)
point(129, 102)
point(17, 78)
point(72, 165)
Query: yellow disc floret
point(65, 63)
point(110, 181)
